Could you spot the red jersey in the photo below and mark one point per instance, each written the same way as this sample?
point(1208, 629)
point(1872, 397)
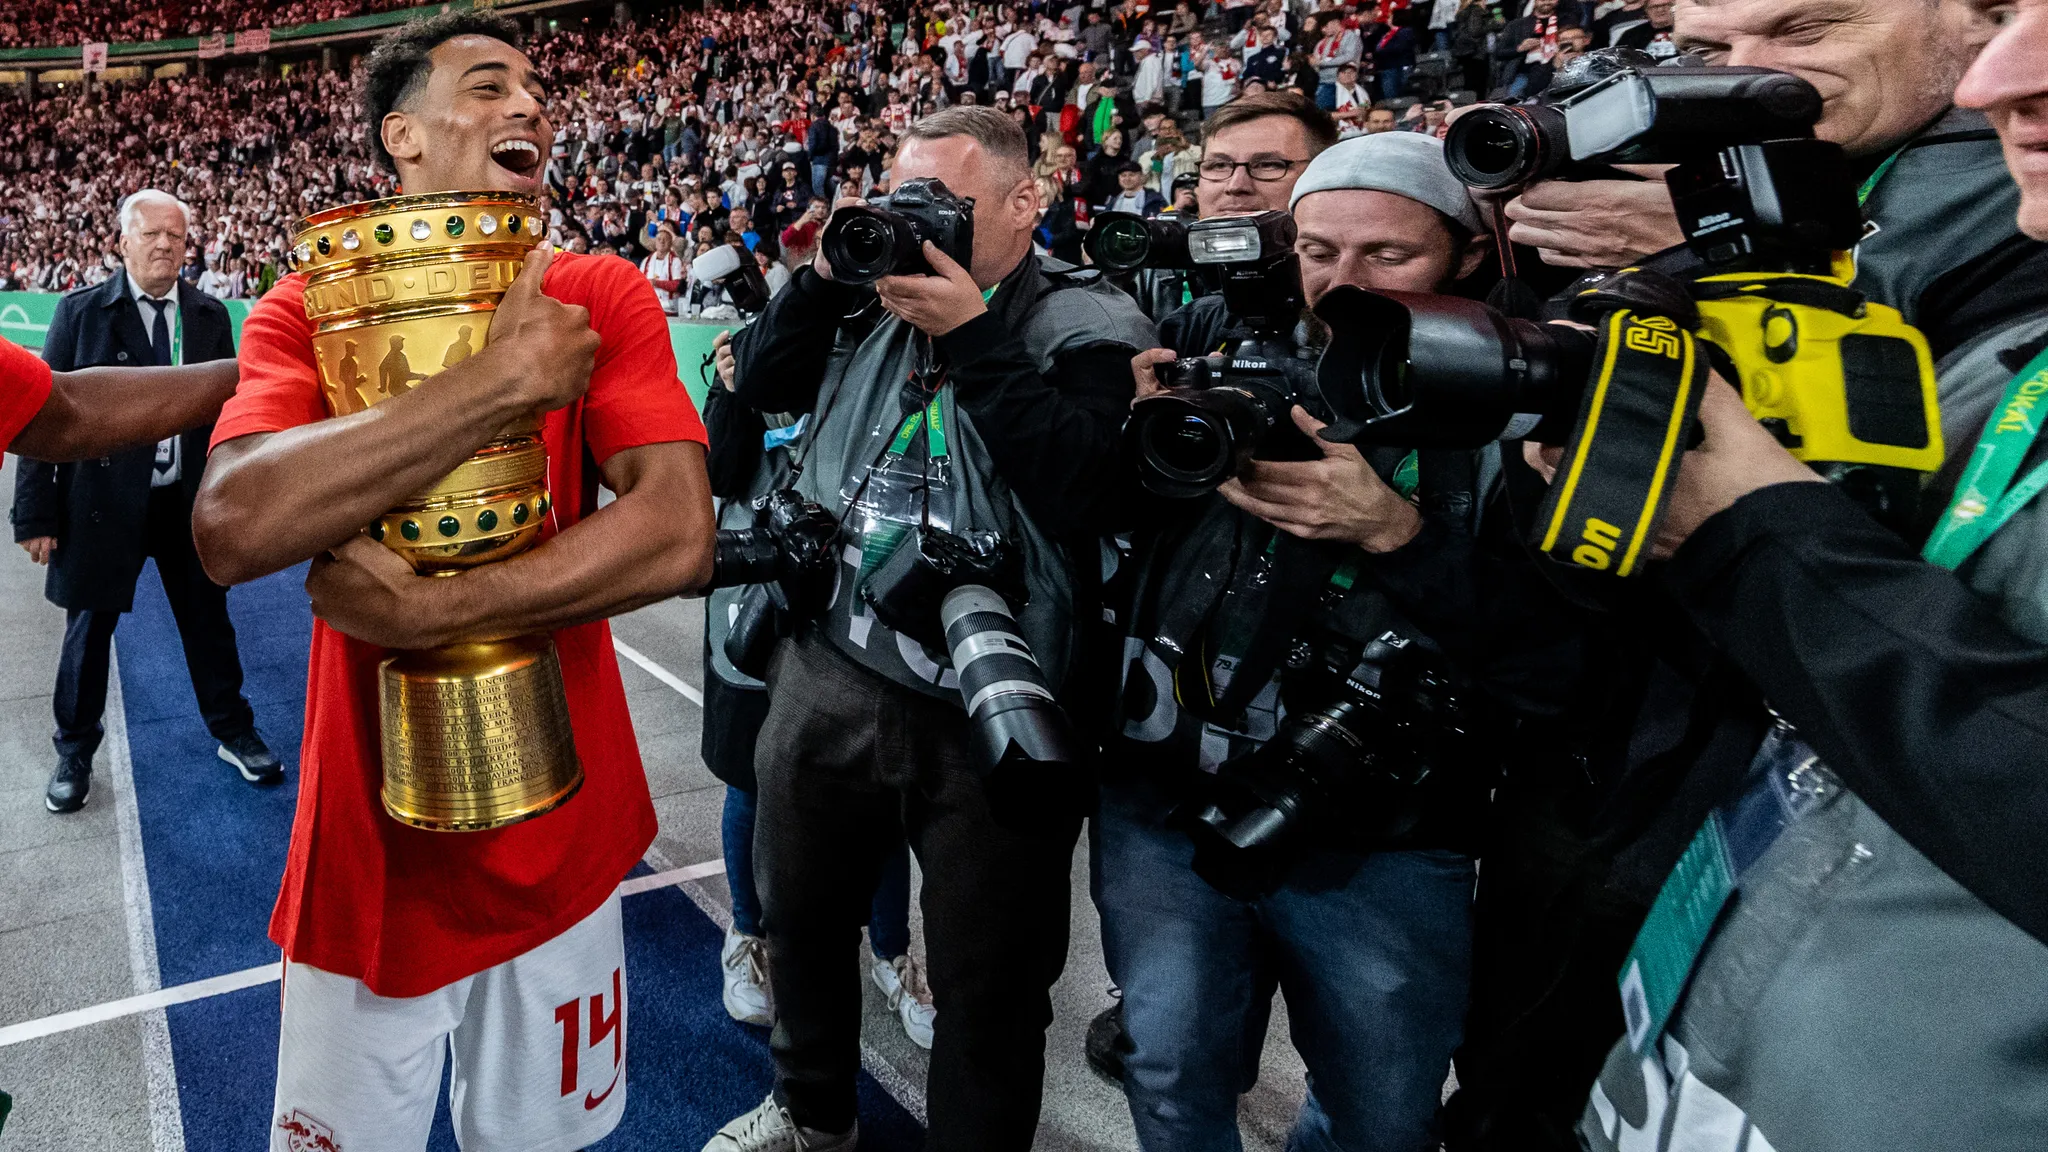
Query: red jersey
point(400, 908)
point(24, 386)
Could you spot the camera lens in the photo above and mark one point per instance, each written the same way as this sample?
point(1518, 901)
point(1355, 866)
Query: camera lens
point(1120, 244)
point(1190, 445)
point(1504, 147)
point(1188, 441)
point(865, 244)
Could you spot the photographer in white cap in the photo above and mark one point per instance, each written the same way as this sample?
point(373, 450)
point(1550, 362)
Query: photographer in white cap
point(1365, 925)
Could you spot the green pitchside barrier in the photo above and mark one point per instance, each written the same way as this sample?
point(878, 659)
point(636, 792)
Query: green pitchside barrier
point(25, 317)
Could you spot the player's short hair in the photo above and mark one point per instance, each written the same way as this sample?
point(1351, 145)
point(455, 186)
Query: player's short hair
point(398, 67)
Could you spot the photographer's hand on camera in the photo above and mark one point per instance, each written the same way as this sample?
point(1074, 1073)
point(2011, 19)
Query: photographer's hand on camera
point(1338, 497)
point(937, 304)
point(1595, 223)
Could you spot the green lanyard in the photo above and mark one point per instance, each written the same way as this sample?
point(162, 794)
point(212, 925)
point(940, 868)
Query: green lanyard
point(1870, 185)
point(178, 338)
point(930, 419)
point(1986, 497)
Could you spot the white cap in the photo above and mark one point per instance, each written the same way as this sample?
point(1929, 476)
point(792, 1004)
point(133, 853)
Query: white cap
point(1405, 163)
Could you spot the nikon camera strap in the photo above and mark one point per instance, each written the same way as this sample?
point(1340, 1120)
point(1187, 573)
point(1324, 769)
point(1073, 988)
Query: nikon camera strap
point(1635, 421)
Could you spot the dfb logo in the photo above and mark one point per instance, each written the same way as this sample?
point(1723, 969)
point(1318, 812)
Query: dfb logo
point(603, 1026)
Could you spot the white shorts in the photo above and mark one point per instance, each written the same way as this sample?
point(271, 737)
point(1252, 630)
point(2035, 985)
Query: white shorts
point(539, 1044)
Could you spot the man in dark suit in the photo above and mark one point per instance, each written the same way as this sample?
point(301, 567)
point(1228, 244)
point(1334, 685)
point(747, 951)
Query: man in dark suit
point(95, 522)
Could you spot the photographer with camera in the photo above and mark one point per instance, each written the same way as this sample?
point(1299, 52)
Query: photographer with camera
point(965, 448)
point(1853, 952)
point(1934, 189)
point(1301, 770)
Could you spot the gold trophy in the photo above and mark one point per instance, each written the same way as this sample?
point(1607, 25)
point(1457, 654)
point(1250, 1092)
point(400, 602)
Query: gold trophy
point(475, 735)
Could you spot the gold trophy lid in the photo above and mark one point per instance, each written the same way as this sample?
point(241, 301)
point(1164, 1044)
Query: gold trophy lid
point(440, 223)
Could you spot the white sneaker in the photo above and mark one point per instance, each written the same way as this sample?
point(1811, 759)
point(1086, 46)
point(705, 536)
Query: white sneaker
point(747, 997)
point(902, 981)
point(769, 1129)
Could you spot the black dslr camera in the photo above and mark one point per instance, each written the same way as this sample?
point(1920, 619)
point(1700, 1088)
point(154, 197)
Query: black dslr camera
point(1375, 722)
point(787, 559)
point(1632, 114)
point(885, 237)
point(1119, 242)
point(1223, 409)
point(955, 593)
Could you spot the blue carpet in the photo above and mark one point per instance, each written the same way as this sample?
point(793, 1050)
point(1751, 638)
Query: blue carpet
point(216, 849)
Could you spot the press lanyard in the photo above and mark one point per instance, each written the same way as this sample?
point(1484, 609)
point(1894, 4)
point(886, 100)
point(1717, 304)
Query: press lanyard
point(1870, 185)
point(932, 422)
point(1986, 497)
point(178, 338)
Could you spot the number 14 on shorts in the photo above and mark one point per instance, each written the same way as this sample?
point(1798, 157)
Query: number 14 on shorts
point(605, 1025)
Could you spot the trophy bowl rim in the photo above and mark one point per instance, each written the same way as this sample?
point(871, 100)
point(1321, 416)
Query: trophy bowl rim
point(327, 217)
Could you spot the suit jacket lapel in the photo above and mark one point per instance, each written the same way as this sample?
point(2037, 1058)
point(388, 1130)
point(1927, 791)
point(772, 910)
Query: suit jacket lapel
point(126, 330)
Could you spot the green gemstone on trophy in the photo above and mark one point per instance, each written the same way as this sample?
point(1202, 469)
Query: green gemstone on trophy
point(540, 506)
point(519, 513)
point(325, 246)
point(410, 530)
point(454, 226)
point(384, 234)
point(511, 222)
point(486, 520)
point(377, 531)
point(450, 525)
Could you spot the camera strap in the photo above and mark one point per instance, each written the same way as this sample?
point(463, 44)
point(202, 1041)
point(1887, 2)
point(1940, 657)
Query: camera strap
point(1986, 496)
point(1635, 420)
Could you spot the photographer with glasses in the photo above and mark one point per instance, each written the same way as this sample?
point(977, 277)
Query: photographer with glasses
point(976, 421)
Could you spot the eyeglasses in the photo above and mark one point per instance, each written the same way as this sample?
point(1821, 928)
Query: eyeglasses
point(1264, 170)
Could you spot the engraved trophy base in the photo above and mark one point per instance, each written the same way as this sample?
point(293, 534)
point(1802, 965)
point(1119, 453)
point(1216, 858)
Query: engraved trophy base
point(476, 736)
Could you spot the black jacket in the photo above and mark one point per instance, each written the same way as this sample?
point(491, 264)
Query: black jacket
point(96, 508)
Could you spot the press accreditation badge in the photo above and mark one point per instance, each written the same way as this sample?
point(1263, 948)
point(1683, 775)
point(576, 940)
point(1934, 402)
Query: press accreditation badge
point(1674, 933)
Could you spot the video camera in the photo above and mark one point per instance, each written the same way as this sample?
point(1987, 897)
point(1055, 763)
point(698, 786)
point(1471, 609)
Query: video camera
point(1769, 214)
point(1221, 410)
point(885, 237)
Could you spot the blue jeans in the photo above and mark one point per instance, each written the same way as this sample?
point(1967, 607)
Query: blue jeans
point(821, 170)
point(1393, 82)
point(888, 918)
point(1375, 968)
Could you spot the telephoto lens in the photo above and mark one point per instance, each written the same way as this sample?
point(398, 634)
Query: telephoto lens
point(1443, 372)
point(1126, 242)
point(1022, 742)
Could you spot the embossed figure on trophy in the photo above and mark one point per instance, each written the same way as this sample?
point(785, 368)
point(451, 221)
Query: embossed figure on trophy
point(351, 376)
point(395, 374)
point(460, 350)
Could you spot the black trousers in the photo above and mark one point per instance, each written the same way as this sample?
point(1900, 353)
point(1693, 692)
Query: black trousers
point(201, 609)
point(850, 765)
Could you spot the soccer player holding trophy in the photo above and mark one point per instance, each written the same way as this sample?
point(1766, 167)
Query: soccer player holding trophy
point(426, 410)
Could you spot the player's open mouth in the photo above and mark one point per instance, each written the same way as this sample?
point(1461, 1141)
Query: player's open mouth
point(519, 157)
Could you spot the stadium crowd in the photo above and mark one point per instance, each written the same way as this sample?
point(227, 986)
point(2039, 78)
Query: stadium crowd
point(31, 23)
point(698, 118)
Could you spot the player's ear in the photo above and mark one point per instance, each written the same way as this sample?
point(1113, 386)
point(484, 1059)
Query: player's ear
point(401, 137)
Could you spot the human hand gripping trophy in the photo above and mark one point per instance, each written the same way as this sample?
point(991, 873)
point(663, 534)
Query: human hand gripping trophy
point(475, 735)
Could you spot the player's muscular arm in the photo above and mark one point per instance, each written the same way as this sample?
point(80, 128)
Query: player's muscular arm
point(653, 542)
point(95, 411)
point(273, 499)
